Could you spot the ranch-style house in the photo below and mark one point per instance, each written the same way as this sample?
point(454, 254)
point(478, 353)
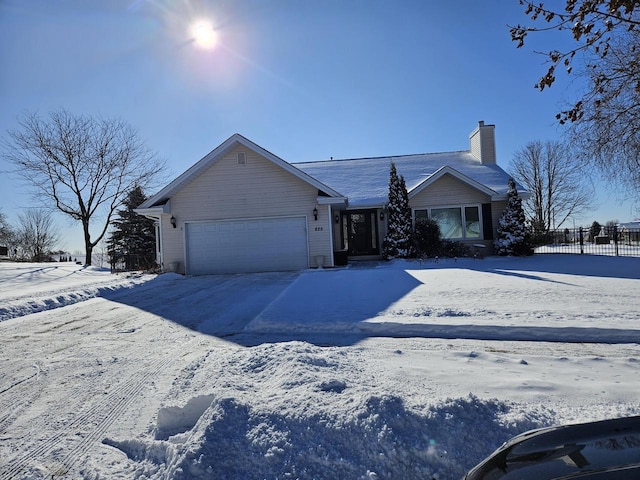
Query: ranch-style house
point(243, 209)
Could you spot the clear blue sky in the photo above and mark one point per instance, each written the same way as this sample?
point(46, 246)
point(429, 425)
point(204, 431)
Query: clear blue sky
point(307, 80)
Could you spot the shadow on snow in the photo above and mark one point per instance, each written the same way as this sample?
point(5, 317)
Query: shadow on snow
point(332, 306)
point(251, 309)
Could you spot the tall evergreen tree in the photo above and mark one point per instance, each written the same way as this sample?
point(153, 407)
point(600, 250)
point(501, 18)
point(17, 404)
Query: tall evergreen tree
point(398, 239)
point(513, 238)
point(132, 240)
point(595, 229)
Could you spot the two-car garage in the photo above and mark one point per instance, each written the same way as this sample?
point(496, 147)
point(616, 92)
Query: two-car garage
point(247, 245)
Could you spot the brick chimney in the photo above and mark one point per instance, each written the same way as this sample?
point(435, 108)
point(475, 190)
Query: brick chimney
point(482, 143)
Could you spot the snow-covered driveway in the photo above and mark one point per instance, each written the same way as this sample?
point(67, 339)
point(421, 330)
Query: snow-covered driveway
point(274, 375)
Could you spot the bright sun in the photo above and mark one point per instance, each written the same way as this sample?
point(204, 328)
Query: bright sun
point(203, 34)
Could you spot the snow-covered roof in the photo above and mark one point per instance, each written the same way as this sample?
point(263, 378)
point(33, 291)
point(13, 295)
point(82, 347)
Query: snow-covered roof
point(630, 225)
point(365, 181)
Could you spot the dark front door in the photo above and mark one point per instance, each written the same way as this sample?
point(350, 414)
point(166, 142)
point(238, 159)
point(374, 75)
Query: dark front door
point(362, 232)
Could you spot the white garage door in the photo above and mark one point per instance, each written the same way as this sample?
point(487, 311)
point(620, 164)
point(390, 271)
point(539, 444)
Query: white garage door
point(265, 245)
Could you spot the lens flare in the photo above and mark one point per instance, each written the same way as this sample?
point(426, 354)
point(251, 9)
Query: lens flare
point(204, 35)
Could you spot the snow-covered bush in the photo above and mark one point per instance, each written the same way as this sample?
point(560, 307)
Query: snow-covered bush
point(426, 238)
point(453, 249)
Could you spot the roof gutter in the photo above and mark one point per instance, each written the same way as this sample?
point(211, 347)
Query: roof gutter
point(344, 201)
point(153, 212)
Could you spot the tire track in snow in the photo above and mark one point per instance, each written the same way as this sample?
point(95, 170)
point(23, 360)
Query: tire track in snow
point(102, 414)
point(22, 380)
point(14, 398)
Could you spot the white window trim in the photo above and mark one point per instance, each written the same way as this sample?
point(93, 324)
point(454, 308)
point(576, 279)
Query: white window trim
point(462, 215)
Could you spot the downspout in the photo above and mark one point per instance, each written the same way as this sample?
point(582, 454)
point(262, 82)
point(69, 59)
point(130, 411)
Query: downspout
point(159, 244)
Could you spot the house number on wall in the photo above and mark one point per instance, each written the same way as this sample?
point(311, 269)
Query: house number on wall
point(318, 229)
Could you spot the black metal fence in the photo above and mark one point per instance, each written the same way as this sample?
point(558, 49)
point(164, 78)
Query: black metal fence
point(617, 241)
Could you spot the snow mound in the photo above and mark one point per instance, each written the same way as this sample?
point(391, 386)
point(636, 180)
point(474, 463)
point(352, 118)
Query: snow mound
point(36, 287)
point(381, 438)
point(298, 411)
point(175, 420)
point(21, 307)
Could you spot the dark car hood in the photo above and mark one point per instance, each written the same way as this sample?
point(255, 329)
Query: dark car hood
point(608, 449)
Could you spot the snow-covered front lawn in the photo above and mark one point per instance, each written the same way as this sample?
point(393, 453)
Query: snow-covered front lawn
point(377, 371)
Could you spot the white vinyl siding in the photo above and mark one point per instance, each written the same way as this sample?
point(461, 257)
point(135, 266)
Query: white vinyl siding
point(448, 190)
point(255, 189)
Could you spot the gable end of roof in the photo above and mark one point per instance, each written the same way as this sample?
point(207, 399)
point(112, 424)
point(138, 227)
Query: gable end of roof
point(447, 170)
point(212, 157)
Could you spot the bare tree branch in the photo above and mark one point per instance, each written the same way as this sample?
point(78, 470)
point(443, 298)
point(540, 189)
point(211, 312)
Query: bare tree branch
point(604, 118)
point(555, 181)
point(83, 166)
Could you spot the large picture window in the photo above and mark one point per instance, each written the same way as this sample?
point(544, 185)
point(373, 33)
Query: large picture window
point(454, 222)
point(449, 220)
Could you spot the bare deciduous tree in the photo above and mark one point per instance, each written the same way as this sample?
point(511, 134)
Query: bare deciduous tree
point(81, 165)
point(605, 115)
point(36, 235)
point(555, 181)
point(608, 133)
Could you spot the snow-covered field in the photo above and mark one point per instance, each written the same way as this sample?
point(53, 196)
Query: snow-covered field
point(401, 370)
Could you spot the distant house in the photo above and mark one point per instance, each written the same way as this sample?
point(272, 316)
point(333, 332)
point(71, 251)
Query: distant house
point(629, 233)
point(243, 209)
point(629, 226)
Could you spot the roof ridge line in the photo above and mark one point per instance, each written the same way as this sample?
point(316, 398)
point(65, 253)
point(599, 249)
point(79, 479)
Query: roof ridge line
point(379, 157)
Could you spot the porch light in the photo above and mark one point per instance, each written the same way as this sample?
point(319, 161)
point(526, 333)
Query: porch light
point(337, 218)
point(381, 215)
point(315, 213)
point(173, 221)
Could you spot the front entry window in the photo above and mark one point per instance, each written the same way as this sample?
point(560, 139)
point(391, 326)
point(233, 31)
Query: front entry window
point(360, 232)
